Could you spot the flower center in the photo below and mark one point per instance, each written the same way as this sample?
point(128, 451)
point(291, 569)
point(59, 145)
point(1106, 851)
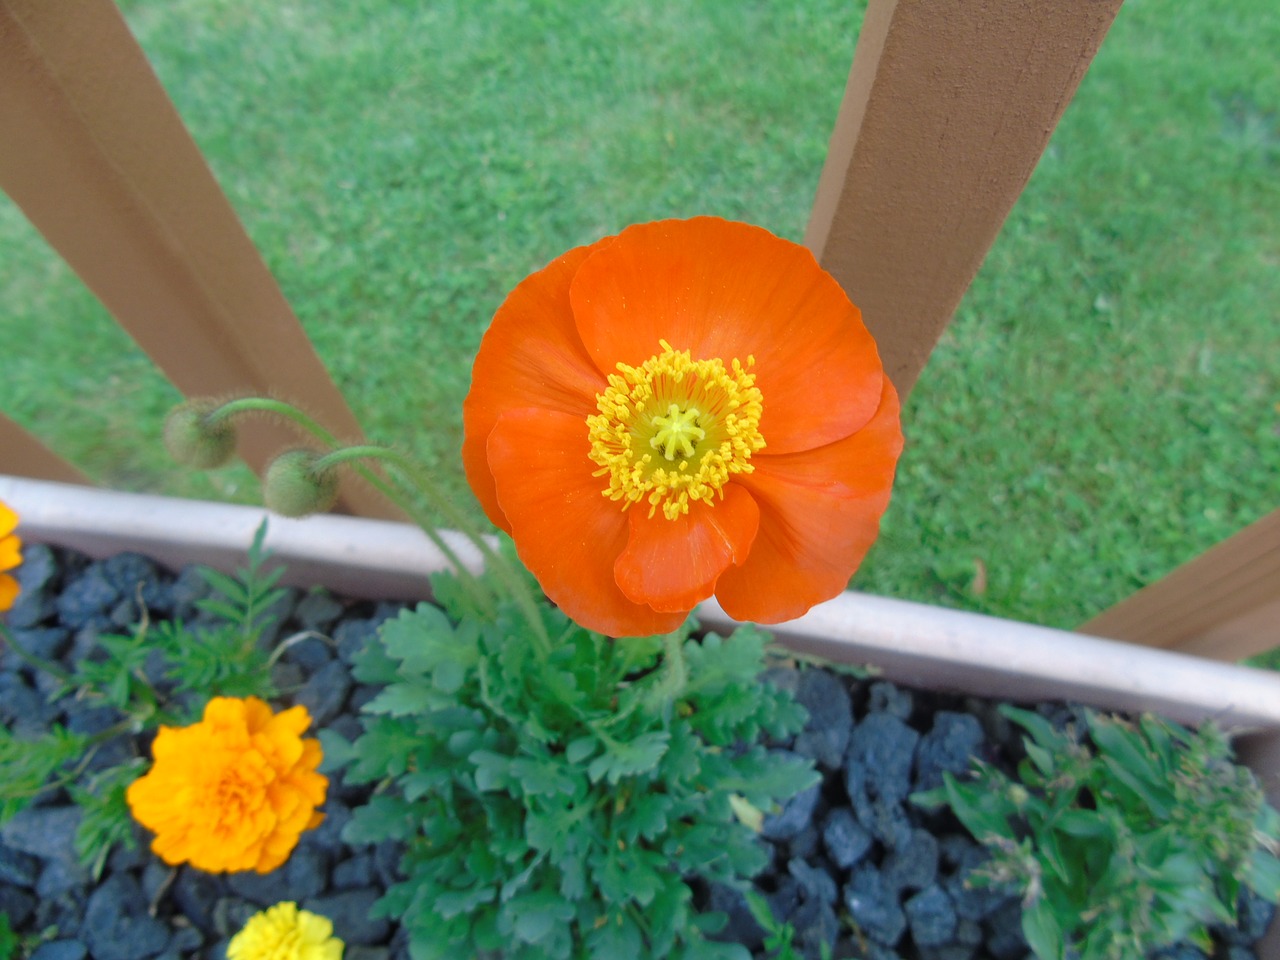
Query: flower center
point(675, 429)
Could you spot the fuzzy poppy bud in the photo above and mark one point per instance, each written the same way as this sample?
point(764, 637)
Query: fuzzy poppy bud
point(196, 440)
point(293, 487)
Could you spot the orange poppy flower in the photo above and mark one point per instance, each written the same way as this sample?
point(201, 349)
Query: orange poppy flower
point(692, 407)
point(10, 556)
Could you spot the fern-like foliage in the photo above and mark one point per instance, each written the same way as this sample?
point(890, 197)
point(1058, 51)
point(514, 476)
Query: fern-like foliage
point(555, 808)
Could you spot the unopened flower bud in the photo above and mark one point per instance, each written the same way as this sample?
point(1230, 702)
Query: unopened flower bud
point(293, 487)
point(194, 439)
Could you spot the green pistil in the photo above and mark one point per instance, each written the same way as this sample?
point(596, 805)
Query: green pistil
point(677, 431)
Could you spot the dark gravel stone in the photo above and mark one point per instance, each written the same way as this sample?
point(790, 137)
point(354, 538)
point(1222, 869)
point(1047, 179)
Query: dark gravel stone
point(17, 869)
point(317, 611)
point(352, 636)
point(845, 840)
point(185, 591)
point(796, 814)
point(21, 708)
point(878, 774)
point(816, 926)
point(913, 864)
point(60, 950)
point(48, 643)
point(309, 653)
point(826, 736)
point(1004, 933)
point(1254, 916)
point(807, 842)
point(931, 917)
point(354, 873)
point(17, 904)
point(741, 925)
point(349, 912)
point(196, 893)
point(88, 598)
point(325, 693)
point(44, 832)
point(947, 747)
point(874, 907)
point(885, 697)
point(116, 923)
point(815, 883)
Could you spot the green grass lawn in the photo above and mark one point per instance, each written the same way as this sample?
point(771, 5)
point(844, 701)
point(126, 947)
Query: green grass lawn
point(1104, 406)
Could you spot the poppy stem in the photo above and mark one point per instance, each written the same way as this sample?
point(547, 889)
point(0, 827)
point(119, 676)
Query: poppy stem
point(403, 492)
point(420, 482)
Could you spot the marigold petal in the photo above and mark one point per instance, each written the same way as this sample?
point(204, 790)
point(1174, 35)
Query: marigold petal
point(819, 514)
point(729, 290)
point(673, 565)
point(8, 519)
point(530, 356)
point(8, 591)
point(566, 532)
point(222, 798)
point(10, 552)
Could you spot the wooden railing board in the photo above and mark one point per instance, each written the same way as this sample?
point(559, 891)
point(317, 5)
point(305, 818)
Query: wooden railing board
point(948, 107)
point(98, 159)
point(1224, 604)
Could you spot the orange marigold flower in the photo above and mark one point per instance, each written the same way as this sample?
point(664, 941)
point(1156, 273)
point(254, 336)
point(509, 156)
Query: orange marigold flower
point(692, 407)
point(234, 791)
point(10, 556)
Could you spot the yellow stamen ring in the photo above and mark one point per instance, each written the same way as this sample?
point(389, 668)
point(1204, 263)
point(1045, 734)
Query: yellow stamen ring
point(675, 429)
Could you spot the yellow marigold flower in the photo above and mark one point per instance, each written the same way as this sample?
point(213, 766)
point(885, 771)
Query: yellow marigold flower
point(234, 791)
point(10, 556)
point(285, 933)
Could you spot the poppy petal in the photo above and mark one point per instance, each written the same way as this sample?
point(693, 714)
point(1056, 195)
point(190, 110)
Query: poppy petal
point(728, 290)
point(531, 356)
point(566, 532)
point(819, 514)
point(8, 591)
point(673, 565)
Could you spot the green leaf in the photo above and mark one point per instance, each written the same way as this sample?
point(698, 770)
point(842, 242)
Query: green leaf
point(404, 699)
point(581, 748)
point(638, 756)
point(534, 917)
point(617, 937)
point(1041, 730)
point(1264, 875)
point(971, 807)
point(9, 941)
point(1041, 928)
point(1083, 823)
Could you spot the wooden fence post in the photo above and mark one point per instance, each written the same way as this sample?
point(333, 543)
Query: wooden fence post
point(949, 105)
point(23, 455)
point(97, 157)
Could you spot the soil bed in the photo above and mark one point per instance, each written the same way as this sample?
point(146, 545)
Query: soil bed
point(853, 865)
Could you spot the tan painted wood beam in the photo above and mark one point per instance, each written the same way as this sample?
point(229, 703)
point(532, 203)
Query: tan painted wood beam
point(98, 159)
point(1224, 604)
point(948, 107)
point(23, 455)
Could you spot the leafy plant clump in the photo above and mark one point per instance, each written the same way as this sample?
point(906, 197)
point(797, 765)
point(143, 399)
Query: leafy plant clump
point(162, 674)
point(557, 802)
point(1140, 837)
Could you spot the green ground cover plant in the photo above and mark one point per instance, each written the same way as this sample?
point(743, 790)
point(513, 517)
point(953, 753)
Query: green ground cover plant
point(1121, 837)
point(1103, 407)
